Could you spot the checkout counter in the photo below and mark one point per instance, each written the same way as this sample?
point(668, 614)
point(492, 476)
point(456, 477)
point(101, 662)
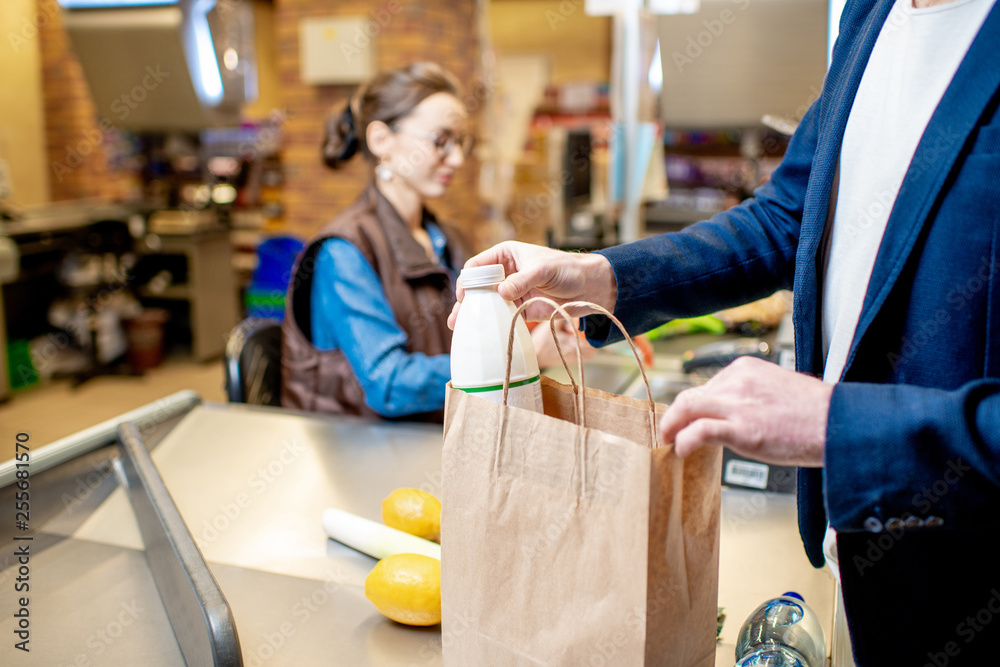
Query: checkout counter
point(251, 484)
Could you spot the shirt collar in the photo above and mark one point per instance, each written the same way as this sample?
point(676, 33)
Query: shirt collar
point(410, 257)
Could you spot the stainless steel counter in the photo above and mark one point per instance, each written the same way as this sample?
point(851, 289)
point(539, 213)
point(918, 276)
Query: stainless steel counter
point(251, 484)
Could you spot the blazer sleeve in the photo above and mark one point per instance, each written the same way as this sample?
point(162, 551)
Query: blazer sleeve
point(895, 451)
point(738, 256)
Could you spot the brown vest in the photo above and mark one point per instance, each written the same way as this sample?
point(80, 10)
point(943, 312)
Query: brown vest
point(419, 291)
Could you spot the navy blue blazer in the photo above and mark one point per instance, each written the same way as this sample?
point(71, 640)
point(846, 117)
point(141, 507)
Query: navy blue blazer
point(912, 473)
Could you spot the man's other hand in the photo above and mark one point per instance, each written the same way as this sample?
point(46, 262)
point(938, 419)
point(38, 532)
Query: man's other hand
point(757, 409)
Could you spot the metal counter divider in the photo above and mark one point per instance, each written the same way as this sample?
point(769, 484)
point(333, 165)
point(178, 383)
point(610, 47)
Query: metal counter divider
point(198, 611)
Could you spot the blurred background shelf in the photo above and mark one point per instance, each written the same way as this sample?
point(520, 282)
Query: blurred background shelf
point(205, 294)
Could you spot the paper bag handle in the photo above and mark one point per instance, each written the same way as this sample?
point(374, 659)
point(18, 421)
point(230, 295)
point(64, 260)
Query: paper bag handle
point(557, 309)
point(654, 440)
point(577, 388)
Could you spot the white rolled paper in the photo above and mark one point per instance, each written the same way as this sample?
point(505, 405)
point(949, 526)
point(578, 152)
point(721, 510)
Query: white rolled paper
point(373, 538)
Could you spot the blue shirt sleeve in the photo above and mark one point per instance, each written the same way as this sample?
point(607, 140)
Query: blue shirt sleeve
point(351, 313)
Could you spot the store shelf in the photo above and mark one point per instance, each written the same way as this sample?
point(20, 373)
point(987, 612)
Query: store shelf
point(683, 216)
point(204, 297)
point(178, 292)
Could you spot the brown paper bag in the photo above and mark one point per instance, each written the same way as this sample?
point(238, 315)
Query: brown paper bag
point(578, 546)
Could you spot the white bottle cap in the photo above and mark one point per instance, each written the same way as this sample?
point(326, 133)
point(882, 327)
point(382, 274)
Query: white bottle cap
point(480, 276)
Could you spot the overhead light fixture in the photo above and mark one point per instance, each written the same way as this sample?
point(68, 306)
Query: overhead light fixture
point(617, 7)
point(193, 59)
point(655, 75)
point(230, 59)
point(107, 4)
point(206, 73)
point(224, 193)
point(674, 6)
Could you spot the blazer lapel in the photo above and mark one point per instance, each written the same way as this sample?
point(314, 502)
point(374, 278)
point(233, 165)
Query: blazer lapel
point(963, 103)
point(844, 78)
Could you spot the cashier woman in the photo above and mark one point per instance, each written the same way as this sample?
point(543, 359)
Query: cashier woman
point(366, 327)
point(884, 217)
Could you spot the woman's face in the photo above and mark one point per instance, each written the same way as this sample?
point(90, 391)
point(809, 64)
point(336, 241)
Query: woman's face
point(424, 149)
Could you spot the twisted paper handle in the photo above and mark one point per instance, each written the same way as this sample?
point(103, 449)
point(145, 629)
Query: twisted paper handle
point(580, 404)
point(557, 309)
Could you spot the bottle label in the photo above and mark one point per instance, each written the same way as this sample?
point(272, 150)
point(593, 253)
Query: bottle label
point(526, 394)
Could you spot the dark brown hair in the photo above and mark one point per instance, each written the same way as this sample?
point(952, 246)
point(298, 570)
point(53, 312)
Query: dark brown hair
point(389, 97)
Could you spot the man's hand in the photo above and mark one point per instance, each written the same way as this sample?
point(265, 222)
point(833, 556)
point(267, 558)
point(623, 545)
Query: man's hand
point(539, 271)
point(758, 410)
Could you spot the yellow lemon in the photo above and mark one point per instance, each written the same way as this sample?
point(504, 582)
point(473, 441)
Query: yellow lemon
point(413, 511)
point(407, 588)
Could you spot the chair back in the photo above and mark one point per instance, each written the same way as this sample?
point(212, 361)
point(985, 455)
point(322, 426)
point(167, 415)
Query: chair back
point(253, 362)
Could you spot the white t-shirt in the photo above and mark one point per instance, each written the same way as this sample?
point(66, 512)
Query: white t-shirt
point(914, 59)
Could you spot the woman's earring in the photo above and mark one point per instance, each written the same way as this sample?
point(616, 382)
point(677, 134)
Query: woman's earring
point(383, 171)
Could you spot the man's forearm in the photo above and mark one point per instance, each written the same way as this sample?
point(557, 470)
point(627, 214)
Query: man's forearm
point(599, 277)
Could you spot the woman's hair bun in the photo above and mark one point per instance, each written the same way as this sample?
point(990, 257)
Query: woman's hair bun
point(340, 141)
point(389, 97)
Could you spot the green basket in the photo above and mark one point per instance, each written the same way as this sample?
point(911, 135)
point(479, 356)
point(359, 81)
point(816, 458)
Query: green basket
point(21, 371)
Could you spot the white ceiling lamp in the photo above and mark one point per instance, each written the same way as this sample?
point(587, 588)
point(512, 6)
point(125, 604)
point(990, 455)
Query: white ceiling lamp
point(655, 74)
point(161, 65)
point(208, 81)
point(612, 7)
point(668, 7)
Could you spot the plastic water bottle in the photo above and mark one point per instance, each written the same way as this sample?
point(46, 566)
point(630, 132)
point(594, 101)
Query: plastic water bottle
point(479, 344)
point(782, 632)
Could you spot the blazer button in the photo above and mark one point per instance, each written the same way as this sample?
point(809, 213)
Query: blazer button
point(914, 522)
point(895, 524)
point(873, 525)
point(934, 522)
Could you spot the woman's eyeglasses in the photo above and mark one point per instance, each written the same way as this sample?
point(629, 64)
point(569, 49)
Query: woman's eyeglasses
point(443, 143)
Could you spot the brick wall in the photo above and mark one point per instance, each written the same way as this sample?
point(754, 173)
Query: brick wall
point(444, 31)
point(77, 164)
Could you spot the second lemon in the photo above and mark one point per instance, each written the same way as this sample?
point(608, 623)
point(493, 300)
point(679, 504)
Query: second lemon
point(407, 588)
point(413, 511)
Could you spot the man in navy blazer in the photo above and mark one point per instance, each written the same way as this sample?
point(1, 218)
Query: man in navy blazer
point(900, 452)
